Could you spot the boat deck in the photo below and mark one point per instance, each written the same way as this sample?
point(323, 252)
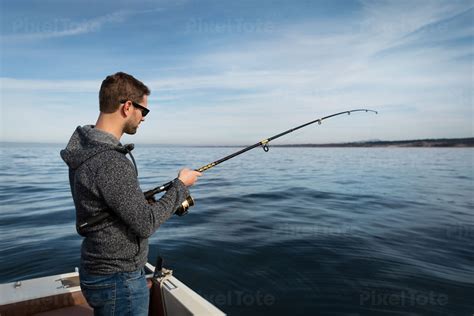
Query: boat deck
point(61, 295)
point(78, 310)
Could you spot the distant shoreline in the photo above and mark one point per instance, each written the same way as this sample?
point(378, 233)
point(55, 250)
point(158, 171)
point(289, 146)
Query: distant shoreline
point(441, 142)
point(437, 143)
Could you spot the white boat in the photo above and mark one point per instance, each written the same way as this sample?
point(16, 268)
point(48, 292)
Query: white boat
point(61, 295)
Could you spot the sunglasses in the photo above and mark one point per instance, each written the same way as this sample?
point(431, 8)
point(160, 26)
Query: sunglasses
point(143, 109)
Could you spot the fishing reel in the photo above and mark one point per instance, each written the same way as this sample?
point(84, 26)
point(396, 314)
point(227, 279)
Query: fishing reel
point(183, 209)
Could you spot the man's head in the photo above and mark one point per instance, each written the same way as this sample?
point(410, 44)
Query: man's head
point(123, 95)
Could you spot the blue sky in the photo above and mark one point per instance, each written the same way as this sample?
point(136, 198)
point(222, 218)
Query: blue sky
point(235, 72)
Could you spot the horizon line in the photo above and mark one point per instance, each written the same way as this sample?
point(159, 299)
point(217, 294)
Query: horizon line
point(275, 145)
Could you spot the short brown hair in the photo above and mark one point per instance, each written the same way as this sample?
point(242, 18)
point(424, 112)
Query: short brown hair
point(118, 87)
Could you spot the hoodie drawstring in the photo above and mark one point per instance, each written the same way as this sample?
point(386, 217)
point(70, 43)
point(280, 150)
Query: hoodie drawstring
point(128, 148)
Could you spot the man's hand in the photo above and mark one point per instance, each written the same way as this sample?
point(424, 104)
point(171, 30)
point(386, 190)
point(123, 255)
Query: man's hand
point(188, 176)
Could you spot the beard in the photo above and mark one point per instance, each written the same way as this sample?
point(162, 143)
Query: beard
point(130, 128)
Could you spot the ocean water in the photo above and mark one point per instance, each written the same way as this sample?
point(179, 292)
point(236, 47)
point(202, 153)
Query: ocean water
point(295, 231)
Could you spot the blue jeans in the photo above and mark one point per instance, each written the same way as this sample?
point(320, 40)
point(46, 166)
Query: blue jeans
point(122, 293)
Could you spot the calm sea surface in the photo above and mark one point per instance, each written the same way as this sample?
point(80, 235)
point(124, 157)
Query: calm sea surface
point(295, 231)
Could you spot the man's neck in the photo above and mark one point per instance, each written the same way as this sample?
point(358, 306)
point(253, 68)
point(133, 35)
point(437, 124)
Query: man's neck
point(106, 123)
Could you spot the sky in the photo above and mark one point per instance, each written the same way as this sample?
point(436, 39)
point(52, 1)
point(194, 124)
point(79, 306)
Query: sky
point(236, 72)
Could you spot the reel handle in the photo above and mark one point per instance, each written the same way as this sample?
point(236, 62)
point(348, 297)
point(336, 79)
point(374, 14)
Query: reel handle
point(183, 209)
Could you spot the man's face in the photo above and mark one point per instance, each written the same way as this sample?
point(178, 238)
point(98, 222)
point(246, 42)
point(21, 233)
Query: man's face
point(134, 120)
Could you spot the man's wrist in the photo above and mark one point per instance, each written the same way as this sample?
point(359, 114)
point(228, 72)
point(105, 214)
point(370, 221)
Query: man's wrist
point(180, 186)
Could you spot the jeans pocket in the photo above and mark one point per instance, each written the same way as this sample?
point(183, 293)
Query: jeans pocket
point(97, 294)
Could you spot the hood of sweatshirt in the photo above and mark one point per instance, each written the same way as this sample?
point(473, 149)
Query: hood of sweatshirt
point(86, 142)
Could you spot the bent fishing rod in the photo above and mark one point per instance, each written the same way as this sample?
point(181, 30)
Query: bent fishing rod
point(183, 209)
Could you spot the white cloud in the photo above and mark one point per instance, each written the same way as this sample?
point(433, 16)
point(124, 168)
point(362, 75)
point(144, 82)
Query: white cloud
point(9, 85)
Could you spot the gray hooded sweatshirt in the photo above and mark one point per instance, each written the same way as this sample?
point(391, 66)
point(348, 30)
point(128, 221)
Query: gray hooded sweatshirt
point(103, 179)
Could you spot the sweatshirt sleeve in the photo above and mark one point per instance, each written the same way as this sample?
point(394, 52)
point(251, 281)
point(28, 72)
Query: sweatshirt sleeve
point(118, 184)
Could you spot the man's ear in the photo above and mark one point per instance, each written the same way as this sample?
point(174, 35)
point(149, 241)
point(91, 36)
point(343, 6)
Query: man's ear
point(127, 109)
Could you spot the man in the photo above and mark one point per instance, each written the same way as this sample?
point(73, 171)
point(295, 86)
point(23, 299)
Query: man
point(103, 179)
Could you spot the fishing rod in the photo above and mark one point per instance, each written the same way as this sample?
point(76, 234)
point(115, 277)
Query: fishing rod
point(183, 209)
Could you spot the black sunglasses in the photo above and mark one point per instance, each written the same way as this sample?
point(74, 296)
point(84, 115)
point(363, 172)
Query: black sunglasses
point(144, 110)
